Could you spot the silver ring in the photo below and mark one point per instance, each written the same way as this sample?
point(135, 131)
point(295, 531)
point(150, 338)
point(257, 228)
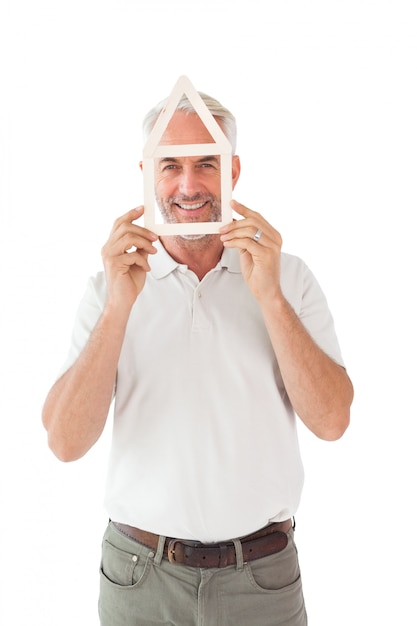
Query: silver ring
point(257, 235)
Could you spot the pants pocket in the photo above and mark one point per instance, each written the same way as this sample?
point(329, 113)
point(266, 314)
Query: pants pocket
point(277, 571)
point(121, 567)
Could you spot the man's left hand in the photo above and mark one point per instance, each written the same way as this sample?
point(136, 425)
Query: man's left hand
point(260, 251)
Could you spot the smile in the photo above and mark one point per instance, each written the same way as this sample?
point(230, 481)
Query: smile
point(191, 207)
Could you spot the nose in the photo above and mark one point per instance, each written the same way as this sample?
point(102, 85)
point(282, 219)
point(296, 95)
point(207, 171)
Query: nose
point(188, 183)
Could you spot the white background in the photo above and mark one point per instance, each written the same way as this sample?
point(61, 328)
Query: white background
point(325, 97)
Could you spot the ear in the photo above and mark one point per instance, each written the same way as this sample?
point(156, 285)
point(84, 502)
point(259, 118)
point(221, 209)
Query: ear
point(235, 170)
point(141, 165)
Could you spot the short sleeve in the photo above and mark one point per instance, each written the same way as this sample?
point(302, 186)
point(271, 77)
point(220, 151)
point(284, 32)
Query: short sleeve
point(87, 316)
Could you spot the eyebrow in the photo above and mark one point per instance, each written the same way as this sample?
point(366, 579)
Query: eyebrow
point(210, 158)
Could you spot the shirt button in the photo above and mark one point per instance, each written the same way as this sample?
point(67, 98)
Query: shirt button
point(134, 558)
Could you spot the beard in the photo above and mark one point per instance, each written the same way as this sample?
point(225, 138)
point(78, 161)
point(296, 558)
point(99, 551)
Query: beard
point(166, 207)
point(202, 240)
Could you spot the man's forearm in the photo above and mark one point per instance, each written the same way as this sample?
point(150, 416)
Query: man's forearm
point(76, 408)
point(319, 389)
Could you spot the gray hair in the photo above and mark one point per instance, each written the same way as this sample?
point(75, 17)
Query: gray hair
point(220, 113)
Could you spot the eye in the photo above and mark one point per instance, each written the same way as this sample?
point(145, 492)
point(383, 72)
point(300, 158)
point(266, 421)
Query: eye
point(209, 165)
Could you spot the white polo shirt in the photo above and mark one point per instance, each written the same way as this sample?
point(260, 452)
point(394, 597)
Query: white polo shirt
point(204, 442)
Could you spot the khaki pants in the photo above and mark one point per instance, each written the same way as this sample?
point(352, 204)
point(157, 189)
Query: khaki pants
point(141, 588)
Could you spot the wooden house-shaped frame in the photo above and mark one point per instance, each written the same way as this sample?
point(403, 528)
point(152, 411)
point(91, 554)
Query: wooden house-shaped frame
point(153, 150)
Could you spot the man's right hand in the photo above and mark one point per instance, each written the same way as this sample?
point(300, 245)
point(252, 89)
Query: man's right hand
point(125, 259)
point(77, 406)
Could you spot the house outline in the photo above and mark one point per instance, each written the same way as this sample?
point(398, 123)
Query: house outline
point(152, 150)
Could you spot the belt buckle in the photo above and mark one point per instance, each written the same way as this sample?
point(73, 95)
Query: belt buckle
point(196, 554)
point(178, 557)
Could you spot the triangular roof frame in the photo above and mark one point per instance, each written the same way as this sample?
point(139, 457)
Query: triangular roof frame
point(153, 149)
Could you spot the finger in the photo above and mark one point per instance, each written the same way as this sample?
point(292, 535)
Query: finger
point(136, 257)
point(250, 218)
point(130, 216)
point(242, 209)
point(117, 246)
point(127, 262)
point(134, 241)
point(128, 243)
point(247, 231)
point(126, 221)
point(126, 234)
point(249, 245)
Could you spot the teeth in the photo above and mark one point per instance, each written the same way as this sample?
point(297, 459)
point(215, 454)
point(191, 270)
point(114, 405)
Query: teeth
point(191, 207)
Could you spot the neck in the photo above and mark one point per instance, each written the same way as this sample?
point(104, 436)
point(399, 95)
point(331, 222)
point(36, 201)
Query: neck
point(200, 255)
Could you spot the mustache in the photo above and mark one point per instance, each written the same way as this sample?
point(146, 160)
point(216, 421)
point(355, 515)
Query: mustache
point(198, 197)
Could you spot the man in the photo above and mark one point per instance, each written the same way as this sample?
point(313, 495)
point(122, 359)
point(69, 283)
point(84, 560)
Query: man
point(210, 344)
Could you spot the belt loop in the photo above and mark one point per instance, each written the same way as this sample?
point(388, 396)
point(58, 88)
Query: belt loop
point(239, 555)
point(160, 550)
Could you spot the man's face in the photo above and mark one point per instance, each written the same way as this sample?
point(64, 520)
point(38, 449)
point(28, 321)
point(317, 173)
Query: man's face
point(187, 188)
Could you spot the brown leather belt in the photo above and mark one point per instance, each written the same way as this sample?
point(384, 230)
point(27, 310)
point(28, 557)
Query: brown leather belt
point(268, 540)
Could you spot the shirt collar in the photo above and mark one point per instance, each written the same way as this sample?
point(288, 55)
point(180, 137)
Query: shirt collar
point(163, 264)
point(231, 260)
